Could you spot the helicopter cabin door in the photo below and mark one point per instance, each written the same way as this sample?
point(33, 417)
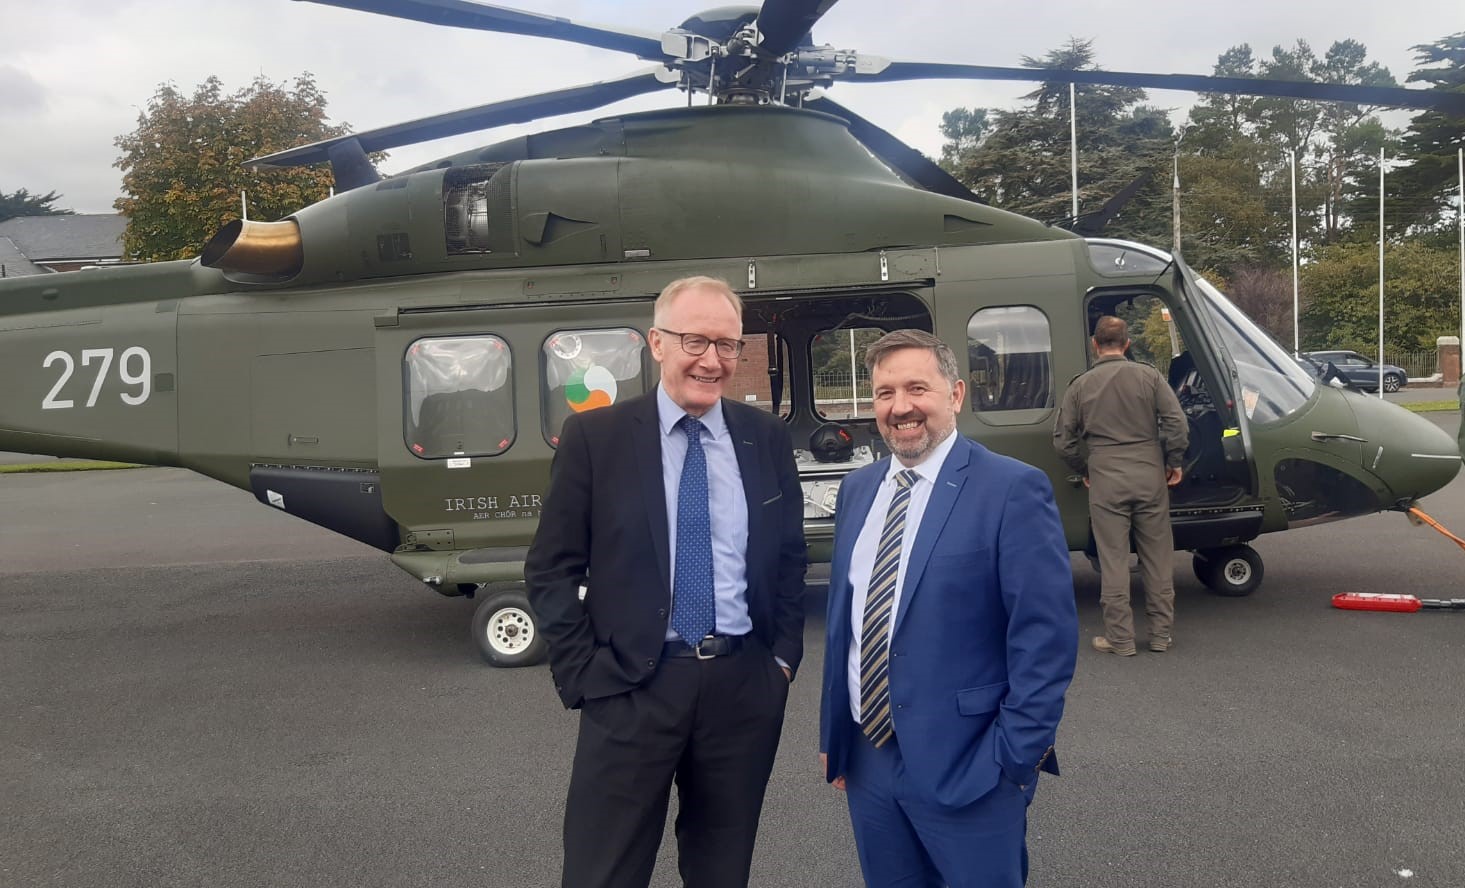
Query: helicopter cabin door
point(1010, 327)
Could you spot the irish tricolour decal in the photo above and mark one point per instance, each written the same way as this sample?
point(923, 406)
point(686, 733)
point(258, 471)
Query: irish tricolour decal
point(590, 388)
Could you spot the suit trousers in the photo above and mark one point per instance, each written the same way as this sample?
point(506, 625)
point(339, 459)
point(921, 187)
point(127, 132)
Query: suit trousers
point(710, 726)
point(1123, 506)
point(905, 841)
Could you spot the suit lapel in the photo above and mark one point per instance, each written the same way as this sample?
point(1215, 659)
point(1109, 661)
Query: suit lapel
point(750, 467)
point(750, 458)
point(949, 483)
point(646, 443)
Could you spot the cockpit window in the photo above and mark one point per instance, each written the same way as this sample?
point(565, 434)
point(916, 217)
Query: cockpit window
point(1111, 257)
point(588, 369)
point(1010, 351)
point(1273, 385)
point(459, 399)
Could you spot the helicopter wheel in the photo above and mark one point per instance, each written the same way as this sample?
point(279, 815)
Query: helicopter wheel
point(1232, 571)
point(506, 631)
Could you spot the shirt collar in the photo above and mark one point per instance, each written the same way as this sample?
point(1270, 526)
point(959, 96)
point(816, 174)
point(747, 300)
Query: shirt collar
point(930, 467)
point(668, 414)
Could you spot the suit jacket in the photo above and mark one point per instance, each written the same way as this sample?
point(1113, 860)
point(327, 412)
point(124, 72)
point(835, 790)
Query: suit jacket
point(604, 525)
point(985, 637)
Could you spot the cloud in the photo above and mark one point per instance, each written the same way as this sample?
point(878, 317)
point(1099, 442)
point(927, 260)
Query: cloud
point(82, 87)
point(20, 93)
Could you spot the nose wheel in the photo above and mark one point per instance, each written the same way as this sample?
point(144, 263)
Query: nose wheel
point(1231, 570)
point(505, 630)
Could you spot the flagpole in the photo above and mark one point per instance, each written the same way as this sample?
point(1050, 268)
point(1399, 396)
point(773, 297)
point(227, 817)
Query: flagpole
point(1073, 141)
point(1296, 346)
point(1381, 274)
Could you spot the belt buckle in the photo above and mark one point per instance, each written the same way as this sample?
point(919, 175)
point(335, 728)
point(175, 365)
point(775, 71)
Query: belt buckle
point(697, 649)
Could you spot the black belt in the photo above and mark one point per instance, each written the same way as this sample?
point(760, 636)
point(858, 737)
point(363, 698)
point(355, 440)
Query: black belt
point(706, 649)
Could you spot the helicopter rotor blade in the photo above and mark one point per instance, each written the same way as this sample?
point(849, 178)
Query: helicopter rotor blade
point(1092, 224)
point(907, 162)
point(783, 23)
point(1390, 96)
point(484, 17)
point(521, 110)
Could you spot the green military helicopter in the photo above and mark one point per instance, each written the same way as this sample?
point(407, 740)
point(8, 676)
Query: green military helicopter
point(395, 363)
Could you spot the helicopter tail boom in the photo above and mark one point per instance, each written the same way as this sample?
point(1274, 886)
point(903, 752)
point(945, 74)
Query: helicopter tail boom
point(90, 359)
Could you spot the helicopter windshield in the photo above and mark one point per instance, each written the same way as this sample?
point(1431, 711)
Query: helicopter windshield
point(1273, 385)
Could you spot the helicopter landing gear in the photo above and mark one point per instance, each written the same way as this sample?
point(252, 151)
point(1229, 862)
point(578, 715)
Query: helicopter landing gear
point(506, 631)
point(1232, 571)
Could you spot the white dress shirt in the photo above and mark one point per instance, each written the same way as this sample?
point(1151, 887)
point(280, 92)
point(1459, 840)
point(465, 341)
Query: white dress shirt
point(862, 559)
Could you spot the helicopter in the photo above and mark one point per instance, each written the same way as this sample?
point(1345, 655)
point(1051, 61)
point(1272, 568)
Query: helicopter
point(394, 363)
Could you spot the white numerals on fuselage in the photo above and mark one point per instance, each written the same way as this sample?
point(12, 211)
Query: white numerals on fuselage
point(134, 369)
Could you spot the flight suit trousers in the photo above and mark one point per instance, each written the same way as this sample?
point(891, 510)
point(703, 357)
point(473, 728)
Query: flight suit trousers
point(1121, 504)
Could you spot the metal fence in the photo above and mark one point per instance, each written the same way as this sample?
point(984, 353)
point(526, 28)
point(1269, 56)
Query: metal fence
point(834, 400)
point(1417, 364)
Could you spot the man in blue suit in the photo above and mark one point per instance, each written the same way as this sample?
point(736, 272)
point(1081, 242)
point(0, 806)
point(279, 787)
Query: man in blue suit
point(952, 636)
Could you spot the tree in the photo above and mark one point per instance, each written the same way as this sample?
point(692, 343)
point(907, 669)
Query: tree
point(1430, 145)
point(1019, 160)
point(964, 129)
point(1341, 301)
point(23, 203)
point(1254, 138)
point(182, 173)
point(1265, 295)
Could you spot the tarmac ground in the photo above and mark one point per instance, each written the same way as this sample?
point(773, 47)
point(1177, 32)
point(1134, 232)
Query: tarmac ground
point(200, 690)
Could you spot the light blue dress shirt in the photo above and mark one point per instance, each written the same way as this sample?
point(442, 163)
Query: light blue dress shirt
point(728, 510)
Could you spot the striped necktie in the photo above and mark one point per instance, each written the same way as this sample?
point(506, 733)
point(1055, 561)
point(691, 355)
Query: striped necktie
point(875, 718)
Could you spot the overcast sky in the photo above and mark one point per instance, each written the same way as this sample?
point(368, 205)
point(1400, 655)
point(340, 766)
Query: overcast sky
point(74, 74)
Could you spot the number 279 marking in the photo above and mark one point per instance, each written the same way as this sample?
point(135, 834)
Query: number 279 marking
point(134, 357)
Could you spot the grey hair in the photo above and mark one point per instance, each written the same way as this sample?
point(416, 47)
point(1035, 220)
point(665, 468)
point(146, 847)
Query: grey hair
point(676, 288)
point(901, 339)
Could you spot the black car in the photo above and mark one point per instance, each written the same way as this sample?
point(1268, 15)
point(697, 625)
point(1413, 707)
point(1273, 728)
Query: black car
point(1360, 371)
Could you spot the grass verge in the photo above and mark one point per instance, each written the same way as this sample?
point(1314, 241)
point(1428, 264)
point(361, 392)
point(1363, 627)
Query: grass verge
point(65, 465)
point(1431, 406)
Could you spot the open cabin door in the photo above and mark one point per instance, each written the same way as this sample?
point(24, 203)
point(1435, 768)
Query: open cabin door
point(1234, 401)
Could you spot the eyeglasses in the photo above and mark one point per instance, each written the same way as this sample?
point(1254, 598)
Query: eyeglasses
point(696, 344)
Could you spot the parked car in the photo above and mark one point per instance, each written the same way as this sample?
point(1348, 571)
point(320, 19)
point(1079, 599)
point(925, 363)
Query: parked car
point(1360, 371)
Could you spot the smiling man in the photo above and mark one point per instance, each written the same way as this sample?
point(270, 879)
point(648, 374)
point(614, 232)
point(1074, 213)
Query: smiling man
point(679, 515)
point(952, 636)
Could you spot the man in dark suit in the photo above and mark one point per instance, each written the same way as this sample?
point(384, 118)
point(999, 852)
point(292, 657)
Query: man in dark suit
point(952, 636)
point(668, 577)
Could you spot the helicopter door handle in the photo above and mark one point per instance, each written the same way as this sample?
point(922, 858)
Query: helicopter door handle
point(1328, 436)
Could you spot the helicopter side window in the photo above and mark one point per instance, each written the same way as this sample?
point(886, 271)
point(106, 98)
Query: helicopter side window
point(588, 369)
point(459, 399)
point(753, 384)
point(1010, 350)
point(841, 382)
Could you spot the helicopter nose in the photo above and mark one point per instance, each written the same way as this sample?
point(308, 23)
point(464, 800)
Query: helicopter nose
point(1406, 451)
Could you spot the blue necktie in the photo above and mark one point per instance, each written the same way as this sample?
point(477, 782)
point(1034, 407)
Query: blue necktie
point(875, 718)
point(694, 607)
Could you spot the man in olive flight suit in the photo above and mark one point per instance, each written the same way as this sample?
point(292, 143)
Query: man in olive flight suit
point(1121, 427)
